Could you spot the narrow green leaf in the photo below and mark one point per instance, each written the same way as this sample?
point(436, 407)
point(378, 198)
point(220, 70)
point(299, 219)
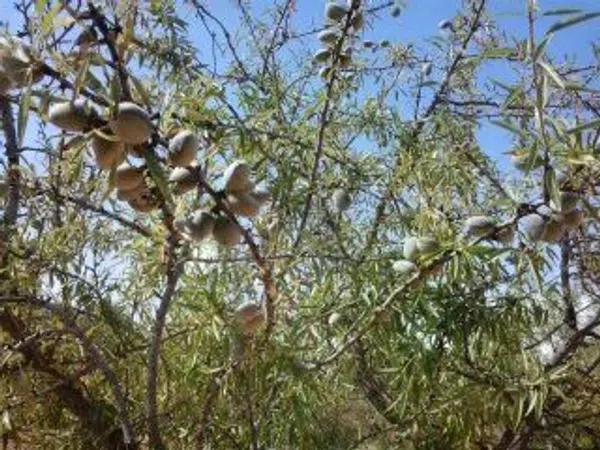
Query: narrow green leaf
point(23, 117)
point(561, 12)
point(552, 74)
point(585, 126)
point(541, 49)
point(572, 21)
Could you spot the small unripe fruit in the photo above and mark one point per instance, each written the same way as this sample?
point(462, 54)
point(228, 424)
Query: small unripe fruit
point(553, 230)
point(335, 11)
point(184, 179)
point(427, 245)
point(568, 202)
point(341, 200)
point(226, 232)
point(243, 204)
point(533, 226)
point(132, 124)
point(410, 250)
point(72, 116)
point(201, 225)
point(573, 219)
point(237, 177)
point(182, 148)
point(322, 55)
point(107, 153)
point(127, 177)
point(333, 319)
point(128, 195)
point(404, 267)
point(505, 235)
point(479, 226)
point(329, 36)
point(249, 318)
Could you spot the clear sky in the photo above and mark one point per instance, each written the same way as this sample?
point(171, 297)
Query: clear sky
point(418, 24)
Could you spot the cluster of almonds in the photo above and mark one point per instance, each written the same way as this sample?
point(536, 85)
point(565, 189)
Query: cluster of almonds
point(551, 223)
point(414, 248)
point(241, 197)
point(335, 13)
point(127, 133)
point(18, 65)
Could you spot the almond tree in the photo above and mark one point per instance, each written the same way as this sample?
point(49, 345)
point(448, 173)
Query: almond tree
point(248, 232)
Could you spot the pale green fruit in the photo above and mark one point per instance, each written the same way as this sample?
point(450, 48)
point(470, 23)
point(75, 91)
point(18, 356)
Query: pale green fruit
point(128, 177)
point(410, 250)
point(322, 55)
point(329, 36)
point(184, 179)
point(243, 204)
point(335, 11)
point(479, 226)
point(333, 319)
point(201, 225)
point(18, 62)
point(132, 124)
point(533, 226)
point(107, 153)
point(249, 318)
point(404, 267)
point(226, 232)
point(341, 200)
point(553, 230)
point(72, 116)
point(573, 219)
point(237, 177)
point(427, 245)
point(183, 148)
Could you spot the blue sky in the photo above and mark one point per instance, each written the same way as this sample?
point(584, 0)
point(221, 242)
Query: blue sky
point(418, 24)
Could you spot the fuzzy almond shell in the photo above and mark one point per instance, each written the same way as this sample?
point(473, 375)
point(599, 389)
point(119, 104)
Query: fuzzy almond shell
point(410, 250)
point(237, 177)
point(71, 116)
point(553, 230)
point(573, 219)
point(107, 153)
point(201, 225)
point(226, 232)
point(404, 267)
point(131, 194)
point(183, 179)
point(128, 177)
point(478, 226)
point(335, 11)
point(182, 148)
point(132, 123)
point(243, 204)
